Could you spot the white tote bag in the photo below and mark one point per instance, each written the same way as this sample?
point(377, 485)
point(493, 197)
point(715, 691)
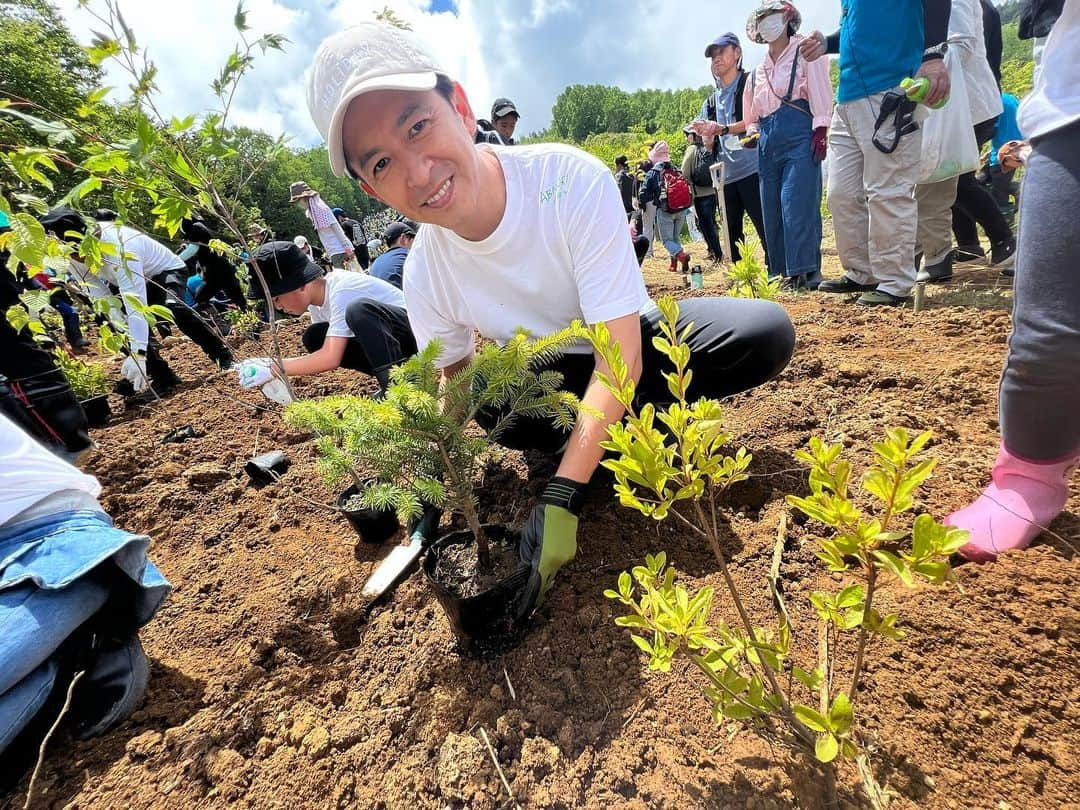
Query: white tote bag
point(949, 148)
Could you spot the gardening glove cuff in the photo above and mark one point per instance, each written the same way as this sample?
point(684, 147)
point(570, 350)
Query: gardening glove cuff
point(549, 539)
point(255, 372)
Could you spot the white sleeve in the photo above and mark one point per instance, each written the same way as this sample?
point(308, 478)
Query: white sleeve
point(129, 278)
point(604, 265)
point(428, 323)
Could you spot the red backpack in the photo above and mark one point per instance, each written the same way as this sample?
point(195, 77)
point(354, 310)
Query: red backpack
point(675, 191)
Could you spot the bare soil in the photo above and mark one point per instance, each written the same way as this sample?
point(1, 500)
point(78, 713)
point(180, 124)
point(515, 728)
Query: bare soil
point(274, 686)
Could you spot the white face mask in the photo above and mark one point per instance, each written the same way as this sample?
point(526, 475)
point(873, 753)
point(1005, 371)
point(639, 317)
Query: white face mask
point(772, 27)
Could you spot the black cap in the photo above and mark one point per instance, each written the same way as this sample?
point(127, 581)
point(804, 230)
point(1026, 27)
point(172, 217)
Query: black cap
point(621, 160)
point(395, 229)
point(285, 268)
point(62, 219)
point(503, 106)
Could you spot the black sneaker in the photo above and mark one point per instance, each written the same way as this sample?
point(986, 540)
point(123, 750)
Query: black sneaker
point(844, 285)
point(938, 272)
point(880, 298)
point(968, 254)
point(1003, 254)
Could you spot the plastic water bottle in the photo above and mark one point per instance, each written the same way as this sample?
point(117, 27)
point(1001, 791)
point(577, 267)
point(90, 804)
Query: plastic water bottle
point(916, 90)
point(277, 391)
point(696, 281)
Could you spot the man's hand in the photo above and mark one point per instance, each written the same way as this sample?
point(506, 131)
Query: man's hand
point(938, 73)
point(350, 253)
point(813, 47)
point(1013, 154)
point(549, 539)
point(133, 370)
point(705, 128)
point(819, 143)
point(255, 372)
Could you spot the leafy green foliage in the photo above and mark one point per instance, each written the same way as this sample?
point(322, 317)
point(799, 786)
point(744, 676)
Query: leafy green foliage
point(749, 278)
point(582, 110)
point(671, 462)
point(245, 322)
point(87, 378)
point(415, 441)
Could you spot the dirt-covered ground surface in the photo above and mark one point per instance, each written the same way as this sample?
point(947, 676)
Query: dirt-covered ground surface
point(273, 685)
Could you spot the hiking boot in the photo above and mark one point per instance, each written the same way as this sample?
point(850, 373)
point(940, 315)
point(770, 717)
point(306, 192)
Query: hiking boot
point(1003, 254)
point(673, 267)
point(937, 272)
point(844, 285)
point(880, 298)
point(968, 254)
point(684, 258)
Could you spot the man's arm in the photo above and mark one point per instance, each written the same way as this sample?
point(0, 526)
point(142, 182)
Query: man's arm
point(583, 451)
point(936, 28)
point(935, 22)
point(130, 280)
point(326, 358)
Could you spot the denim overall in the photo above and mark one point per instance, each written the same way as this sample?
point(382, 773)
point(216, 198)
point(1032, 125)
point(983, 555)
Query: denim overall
point(790, 187)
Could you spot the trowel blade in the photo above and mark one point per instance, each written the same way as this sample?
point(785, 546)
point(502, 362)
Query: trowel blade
point(392, 569)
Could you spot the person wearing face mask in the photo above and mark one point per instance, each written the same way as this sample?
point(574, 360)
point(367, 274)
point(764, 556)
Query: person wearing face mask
point(722, 115)
point(788, 102)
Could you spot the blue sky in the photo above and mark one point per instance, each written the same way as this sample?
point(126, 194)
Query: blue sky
point(527, 50)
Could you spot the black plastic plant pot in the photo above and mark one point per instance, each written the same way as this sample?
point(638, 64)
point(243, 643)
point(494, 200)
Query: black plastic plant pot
point(97, 410)
point(373, 525)
point(485, 623)
point(268, 467)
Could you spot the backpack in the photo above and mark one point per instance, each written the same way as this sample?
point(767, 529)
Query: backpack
point(675, 191)
point(703, 159)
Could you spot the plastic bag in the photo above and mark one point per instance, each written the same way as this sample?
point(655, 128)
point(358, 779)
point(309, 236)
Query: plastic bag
point(949, 148)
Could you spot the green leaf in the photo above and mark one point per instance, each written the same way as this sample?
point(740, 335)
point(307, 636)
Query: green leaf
point(841, 714)
point(895, 566)
point(642, 644)
point(811, 680)
point(810, 718)
point(826, 747)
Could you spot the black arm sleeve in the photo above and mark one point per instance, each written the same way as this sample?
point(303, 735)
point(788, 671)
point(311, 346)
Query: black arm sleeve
point(992, 37)
point(832, 42)
point(935, 22)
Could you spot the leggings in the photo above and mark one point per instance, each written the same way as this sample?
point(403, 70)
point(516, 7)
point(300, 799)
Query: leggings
point(736, 344)
point(975, 205)
point(1040, 388)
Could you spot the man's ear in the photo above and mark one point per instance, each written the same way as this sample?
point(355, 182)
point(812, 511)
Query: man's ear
point(464, 109)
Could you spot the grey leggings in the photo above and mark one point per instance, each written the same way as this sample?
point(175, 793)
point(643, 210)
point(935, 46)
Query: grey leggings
point(1040, 388)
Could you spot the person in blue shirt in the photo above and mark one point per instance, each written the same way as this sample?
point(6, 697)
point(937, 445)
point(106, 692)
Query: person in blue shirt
point(996, 176)
point(874, 142)
point(388, 266)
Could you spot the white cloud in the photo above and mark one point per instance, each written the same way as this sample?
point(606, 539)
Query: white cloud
point(527, 50)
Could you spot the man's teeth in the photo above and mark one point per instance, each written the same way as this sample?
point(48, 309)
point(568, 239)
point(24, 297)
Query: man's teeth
point(438, 195)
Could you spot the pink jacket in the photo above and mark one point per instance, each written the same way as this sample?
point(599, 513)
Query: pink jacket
point(769, 84)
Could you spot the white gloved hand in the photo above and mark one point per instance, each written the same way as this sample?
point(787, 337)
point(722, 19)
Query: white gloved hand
point(134, 371)
point(255, 371)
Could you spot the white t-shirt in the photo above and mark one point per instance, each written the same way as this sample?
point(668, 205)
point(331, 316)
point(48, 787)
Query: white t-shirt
point(1055, 101)
point(342, 288)
point(29, 473)
point(561, 252)
point(138, 257)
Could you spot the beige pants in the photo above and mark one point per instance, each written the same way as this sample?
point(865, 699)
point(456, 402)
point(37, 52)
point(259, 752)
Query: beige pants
point(871, 199)
point(934, 234)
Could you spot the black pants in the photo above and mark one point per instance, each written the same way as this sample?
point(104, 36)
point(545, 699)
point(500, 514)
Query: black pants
point(219, 275)
point(744, 197)
point(641, 248)
point(736, 344)
point(381, 338)
point(36, 395)
point(168, 289)
point(975, 205)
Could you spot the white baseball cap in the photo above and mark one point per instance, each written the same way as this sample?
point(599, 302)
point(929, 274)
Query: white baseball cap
point(369, 56)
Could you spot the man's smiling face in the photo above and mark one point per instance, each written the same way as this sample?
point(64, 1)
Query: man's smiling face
point(414, 151)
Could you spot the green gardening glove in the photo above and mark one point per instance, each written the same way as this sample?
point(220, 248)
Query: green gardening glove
point(549, 539)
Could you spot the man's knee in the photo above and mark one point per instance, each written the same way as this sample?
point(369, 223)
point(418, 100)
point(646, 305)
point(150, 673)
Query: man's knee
point(770, 337)
point(314, 337)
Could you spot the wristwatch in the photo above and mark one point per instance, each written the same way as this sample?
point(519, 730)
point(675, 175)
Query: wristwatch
point(936, 52)
point(724, 129)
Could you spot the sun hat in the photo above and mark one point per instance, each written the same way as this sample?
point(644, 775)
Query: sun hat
point(299, 190)
point(284, 266)
point(720, 42)
point(369, 56)
point(300, 240)
point(791, 16)
point(660, 153)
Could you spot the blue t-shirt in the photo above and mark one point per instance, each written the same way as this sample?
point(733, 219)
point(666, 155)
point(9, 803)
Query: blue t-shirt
point(881, 44)
point(389, 265)
point(738, 163)
point(1007, 128)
